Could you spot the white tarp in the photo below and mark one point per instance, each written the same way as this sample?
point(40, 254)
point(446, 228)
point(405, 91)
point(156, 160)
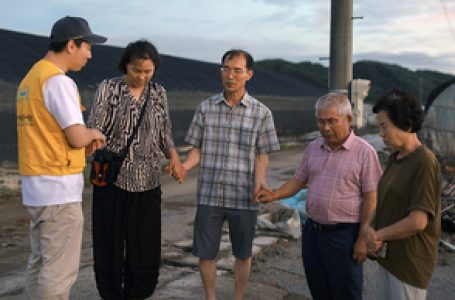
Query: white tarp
point(438, 131)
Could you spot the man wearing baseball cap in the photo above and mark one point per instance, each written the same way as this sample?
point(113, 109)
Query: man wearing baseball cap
point(52, 143)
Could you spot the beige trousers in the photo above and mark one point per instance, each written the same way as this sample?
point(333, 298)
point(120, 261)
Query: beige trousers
point(55, 240)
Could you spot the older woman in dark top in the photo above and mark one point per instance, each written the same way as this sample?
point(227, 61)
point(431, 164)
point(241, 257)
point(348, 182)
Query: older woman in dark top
point(127, 214)
point(405, 231)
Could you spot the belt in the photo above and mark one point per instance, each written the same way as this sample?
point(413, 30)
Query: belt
point(328, 227)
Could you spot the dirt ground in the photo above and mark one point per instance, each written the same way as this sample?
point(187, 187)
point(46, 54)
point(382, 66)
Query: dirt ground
point(277, 269)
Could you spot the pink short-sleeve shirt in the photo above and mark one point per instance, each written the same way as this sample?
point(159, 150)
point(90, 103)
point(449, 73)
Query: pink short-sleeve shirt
point(336, 179)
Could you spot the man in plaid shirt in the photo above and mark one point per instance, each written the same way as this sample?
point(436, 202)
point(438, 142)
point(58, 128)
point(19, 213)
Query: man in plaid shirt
point(232, 134)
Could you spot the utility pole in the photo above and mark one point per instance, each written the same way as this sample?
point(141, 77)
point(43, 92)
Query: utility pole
point(340, 70)
point(421, 90)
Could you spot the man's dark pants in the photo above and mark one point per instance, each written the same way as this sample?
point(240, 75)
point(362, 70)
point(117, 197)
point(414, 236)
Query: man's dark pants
point(330, 271)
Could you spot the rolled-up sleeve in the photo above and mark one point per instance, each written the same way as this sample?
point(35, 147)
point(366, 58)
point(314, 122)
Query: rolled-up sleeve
point(194, 134)
point(267, 138)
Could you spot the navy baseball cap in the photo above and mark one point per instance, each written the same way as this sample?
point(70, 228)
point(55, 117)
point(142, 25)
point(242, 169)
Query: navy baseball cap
point(69, 28)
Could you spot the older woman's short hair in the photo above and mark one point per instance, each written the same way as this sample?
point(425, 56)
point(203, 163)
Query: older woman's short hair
point(141, 49)
point(404, 109)
point(334, 100)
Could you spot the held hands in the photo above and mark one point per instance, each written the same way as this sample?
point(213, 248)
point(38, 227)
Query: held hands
point(360, 249)
point(175, 169)
point(372, 241)
point(264, 194)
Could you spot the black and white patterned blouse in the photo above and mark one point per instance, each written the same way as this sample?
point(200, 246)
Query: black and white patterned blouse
point(115, 112)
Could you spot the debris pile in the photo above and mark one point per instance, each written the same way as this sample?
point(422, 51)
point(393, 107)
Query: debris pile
point(448, 204)
point(448, 175)
point(286, 216)
point(448, 217)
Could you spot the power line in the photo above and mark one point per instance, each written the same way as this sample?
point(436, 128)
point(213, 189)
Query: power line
point(399, 29)
point(446, 15)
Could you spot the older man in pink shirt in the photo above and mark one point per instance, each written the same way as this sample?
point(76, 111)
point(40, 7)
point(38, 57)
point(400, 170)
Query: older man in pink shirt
point(341, 171)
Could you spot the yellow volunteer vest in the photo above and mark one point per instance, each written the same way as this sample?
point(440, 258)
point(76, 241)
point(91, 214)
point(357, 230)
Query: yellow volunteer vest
point(42, 146)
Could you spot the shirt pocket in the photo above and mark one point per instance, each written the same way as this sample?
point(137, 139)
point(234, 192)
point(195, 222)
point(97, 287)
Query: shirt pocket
point(247, 134)
point(247, 139)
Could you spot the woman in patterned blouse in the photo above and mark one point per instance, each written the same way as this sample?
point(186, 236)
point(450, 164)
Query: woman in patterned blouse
point(127, 214)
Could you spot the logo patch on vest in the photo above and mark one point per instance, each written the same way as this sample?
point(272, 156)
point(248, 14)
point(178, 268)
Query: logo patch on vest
point(24, 118)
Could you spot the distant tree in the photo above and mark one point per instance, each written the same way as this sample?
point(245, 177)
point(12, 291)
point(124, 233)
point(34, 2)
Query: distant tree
point(382, 75)
point(308, 71)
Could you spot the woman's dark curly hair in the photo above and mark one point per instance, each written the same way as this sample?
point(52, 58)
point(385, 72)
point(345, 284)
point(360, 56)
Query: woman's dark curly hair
point(404, 110)
point(141, 49)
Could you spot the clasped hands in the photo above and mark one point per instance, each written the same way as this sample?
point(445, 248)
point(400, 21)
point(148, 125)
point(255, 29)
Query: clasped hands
point(374, 243)
point(264, 194)
point(175, 169)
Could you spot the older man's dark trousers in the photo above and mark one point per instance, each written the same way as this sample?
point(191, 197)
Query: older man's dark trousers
point(330, 271)
point(126, 242)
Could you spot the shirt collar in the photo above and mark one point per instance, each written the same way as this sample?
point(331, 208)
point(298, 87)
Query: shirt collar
point(245, 101)
point(346, 145)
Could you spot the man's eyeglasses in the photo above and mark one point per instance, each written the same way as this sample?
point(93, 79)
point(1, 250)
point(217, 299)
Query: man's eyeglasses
point(330, 122)
point(236, 71)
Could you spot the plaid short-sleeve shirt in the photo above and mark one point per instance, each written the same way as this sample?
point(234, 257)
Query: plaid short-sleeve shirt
point(229, 139)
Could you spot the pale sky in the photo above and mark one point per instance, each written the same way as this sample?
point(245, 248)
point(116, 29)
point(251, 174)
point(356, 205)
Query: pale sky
point(417, 34)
